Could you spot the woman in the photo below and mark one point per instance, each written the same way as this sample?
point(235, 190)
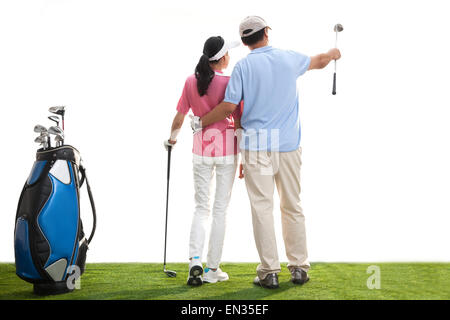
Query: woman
point(215, 149)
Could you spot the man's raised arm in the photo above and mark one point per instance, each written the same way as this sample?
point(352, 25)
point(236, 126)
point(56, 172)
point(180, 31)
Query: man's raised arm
point(322, 60)
point(220, 112)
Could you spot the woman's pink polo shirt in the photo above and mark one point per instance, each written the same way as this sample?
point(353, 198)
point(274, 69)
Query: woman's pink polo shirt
point(217, 139)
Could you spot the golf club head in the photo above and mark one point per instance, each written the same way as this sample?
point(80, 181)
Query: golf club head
point(59, 140)
point(43, 140)
point(40, 139)
point(170, 273)
point(54, 119)
point(56, 131)
point(39, 128)
point(59, 110)
point(43, 134)
point(338, 28)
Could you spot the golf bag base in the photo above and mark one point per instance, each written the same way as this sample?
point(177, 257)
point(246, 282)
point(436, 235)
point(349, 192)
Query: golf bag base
point(46, 289)
point(49, 242)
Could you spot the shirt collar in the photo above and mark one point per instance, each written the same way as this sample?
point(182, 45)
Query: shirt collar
point(262, 49)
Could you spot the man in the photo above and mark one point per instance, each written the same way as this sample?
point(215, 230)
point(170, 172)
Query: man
point(270, 144)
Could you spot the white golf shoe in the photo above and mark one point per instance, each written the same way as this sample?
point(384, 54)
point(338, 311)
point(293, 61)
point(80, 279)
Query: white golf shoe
point(215, 276)
point(195, 272)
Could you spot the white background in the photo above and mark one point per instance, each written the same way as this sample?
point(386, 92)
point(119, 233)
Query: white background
point(375, 175)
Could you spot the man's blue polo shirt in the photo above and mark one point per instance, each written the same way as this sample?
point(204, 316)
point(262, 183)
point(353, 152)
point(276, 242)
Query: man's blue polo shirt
point(267, 82)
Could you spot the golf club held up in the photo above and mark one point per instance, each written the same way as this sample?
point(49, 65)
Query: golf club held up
point(337, 28)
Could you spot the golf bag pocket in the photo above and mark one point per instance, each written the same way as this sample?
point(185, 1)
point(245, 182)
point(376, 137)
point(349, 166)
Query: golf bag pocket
point(24, 262)
point(49, 236)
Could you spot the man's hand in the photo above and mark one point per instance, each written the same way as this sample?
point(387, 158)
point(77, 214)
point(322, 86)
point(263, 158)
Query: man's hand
point(170, 143)
point(334, 53)
point(322, 60)
point(196, 124)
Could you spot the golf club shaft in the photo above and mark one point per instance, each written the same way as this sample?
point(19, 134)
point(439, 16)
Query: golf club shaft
point(169, 151)
point(335, 45)
point(335, 67)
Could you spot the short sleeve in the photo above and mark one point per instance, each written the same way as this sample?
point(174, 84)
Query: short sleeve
point(234, 93)
point(237, 113)
point(301, 62)
point(183, 104)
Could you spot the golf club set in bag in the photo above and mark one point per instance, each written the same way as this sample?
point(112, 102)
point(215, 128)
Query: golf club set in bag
point(49, 242)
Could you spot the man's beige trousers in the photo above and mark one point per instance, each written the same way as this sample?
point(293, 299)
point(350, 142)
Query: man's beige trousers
point(263, 170)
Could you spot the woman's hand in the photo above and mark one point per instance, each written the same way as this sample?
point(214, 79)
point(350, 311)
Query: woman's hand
point(169, 143)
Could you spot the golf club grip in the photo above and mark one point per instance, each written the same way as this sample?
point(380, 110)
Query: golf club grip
point(169, 152)
point(334, 83)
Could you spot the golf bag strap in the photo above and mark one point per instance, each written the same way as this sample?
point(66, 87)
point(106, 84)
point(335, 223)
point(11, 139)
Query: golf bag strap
point(83, 177)
point(91, 199)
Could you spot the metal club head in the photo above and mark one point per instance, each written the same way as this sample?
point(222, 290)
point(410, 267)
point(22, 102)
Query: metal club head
point(59, 140)
point(54, 119)
point(338, 28)
point(56, 131)
point(42, 139)
point(170, 273)
point(59, 110)
point(39, 128)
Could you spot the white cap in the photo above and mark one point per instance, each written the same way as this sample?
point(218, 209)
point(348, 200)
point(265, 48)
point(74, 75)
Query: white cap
point(227, 45)
point(251, 25)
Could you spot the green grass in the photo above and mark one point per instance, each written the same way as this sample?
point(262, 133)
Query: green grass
point(328, 281)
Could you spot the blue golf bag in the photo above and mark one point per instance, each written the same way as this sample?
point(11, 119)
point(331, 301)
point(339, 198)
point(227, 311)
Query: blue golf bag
point(49, 243)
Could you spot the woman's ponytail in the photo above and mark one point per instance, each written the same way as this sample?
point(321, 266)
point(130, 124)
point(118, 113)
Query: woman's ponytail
point(204, 75)
point(203, 72)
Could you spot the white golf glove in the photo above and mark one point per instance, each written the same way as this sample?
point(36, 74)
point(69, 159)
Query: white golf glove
point(195, 124)
point(167, 144)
